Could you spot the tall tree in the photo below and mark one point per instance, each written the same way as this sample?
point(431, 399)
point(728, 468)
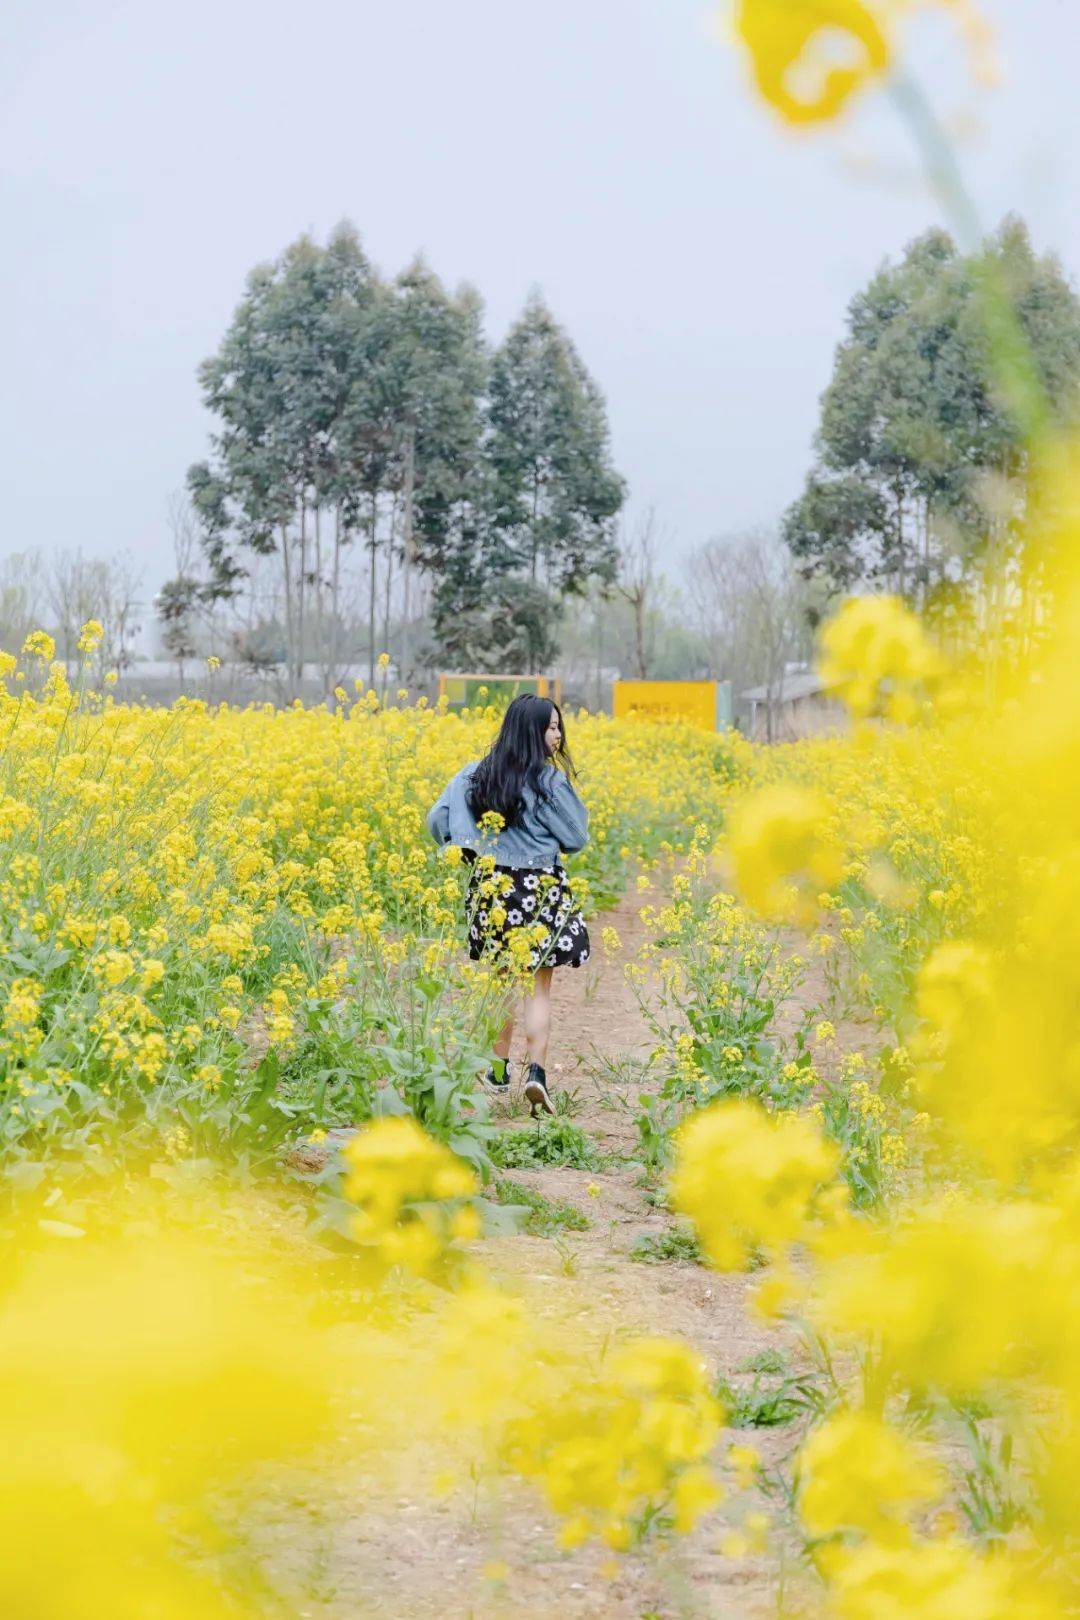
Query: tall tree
point(915, 428)
point(345, 407)
point(279, 386)
point(554, 492)
point(440, 366)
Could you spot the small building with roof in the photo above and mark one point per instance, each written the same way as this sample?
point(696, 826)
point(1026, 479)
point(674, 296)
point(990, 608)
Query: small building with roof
point(797, 705)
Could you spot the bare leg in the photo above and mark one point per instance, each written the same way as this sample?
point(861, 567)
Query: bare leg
point(505, 1036)
point(538, 1016)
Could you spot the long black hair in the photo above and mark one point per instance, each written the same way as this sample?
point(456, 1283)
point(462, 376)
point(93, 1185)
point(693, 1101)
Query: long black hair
point(517, 758)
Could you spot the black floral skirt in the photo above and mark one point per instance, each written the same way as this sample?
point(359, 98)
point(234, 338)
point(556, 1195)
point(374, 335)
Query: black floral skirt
point(525, 917)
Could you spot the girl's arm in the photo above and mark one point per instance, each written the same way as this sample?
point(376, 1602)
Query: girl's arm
point(438, 817)
point(564, 815)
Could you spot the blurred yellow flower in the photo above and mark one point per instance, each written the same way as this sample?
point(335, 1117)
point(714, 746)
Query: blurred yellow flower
point(747, 1178)
point(108, 1447)
point(399, 1177)
point(876, 655)
point(788, 42)
point(858, 1473)
point(810, 57)
point(780, 849)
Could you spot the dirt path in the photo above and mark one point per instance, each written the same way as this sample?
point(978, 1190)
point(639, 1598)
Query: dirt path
point(361, 1554)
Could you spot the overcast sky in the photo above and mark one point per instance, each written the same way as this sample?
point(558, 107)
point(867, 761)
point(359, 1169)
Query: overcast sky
point(608, 151)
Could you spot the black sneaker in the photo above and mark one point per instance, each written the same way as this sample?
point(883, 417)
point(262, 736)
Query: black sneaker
point(500, 1082)
point(536, 1091)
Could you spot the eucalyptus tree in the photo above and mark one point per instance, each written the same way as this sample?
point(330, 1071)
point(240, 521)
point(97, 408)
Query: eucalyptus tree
point(438, 363)
point(242, 495)
point(279, 385)
point(554, 492)
point(347, 336)
point(921, 462)
point(346, 406)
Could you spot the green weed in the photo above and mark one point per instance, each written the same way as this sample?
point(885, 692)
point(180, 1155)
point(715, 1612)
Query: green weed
point(773, 1396)
point(675, 1243)
point(557, 1141)
point(545, 1218)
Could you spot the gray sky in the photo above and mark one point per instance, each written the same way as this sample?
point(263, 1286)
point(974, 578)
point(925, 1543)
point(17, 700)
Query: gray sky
point(608, 150)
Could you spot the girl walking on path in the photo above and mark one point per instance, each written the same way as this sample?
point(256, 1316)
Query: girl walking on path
point(514, 814)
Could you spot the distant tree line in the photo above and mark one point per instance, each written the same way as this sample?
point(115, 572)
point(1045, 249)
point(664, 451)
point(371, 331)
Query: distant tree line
point(365, 420)
point(59, 592)
point(380, 479)
point(735, 608)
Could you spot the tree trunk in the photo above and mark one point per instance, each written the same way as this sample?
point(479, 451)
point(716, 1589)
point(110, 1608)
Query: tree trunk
point(372, 541)
point(405, 648)
point(599, 651)
point(389, 581)
point(639, 634)
point(335, 596)
point(320, 638)
point(287, 586)
point(925, 517)
point(900, 579)
point(301, 589)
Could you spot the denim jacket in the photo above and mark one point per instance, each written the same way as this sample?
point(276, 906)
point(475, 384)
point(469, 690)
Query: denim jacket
point(548, 827)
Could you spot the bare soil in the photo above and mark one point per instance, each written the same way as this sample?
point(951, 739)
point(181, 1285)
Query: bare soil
point(359, 1553)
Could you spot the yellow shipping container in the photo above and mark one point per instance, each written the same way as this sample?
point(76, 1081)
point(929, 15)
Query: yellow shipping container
point(706, 704)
